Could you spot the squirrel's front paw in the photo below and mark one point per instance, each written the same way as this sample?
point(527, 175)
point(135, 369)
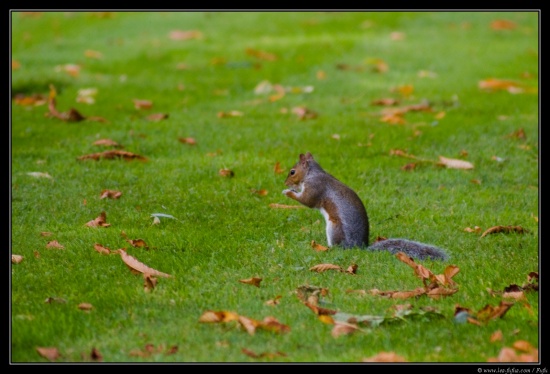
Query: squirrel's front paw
point(285, 192)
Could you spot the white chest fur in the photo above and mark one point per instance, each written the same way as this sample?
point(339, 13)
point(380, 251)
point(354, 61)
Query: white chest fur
point(329, 227)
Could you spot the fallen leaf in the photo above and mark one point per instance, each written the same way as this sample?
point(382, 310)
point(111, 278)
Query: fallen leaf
point(278, 169)
point(261, 54)
point(85, 306)
point(49, 353)
point(113, 154)
point(476, 229)
point(226, 173)
point(103, 250)
point(504, 229)
point(138, 266)
point(284, 206)
point(261, 192)
point(54, 244)
point(101, 221)
point(190, 141)
point(16, 259)
point(142, 104)
point(496, 336)
point(107, 143)
point(93, 54)
point(211, 316)
point(385, 357)
point(318, 247)
point(111, 194)
point(155, 117)
point(503, 24)
point(149, 282)
point(252, 281)
point(454, 163)
point(304, 113)
point(342, 328)
point(231, 113)
point(138, 243)
point(185, 35)
point(324, 267)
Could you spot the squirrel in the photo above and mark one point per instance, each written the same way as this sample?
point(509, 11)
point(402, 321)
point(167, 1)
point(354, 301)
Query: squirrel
point(347, 222)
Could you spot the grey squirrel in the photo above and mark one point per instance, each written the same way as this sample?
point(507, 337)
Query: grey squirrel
point(347, 222)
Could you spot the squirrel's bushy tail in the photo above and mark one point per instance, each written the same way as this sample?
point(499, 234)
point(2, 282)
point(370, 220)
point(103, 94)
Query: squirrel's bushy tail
point(410, 248)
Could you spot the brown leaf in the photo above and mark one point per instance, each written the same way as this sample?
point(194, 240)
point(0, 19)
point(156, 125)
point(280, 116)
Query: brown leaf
point(112, 155)
point(261, 192)
point(107, 143)
point(284, 206)
point(155, 117)
point(272, 324)
point(229, 114)
point(252, 281)
point(437, 292)
point(54, 244)
point(111, 194)
point(489, 312)
point(320, 311)
point(134, 264)
point(318, 247)
point(185, 35)
point(142, 104)
point(324, 267)
point(385, 357)
point(476, 229)
point(49, 353)
point(352, 269)
point(249, 324)
point(95, 355)
point(455, 163)
point(226, 173)
point(45, 233)
point(493, 84)
point(278, 169)
point(100, 221)
point(85, 306)
point(304, 113)
point(387, 101)
point(16, 259)
point(405, 294)
point(103, 250)
point(343, 328)
point(149, 282)
point(274, 301)
point(504, 229)
point(496, 336)
point(211, 316)
point(138, 243)
point(190, 141)
point(503, 24)
point(252, 354)
point(261, 54)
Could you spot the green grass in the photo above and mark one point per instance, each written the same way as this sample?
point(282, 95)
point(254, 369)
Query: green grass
point(223, 232)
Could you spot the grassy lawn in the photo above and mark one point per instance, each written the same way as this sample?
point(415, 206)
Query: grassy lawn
point(203, 114)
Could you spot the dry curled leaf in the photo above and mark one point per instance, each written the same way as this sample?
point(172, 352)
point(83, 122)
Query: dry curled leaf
point(226, 173)
point(100, 221)
point(138, 243)
point(103, 250)
point(107, 143)
point(284, 206)
point(54, 244)
point(318, 247)
point(324, 267)
point(211, 316)
point(85, 306)
point(188, 140)
point(113, 154)
point(49, 353)
point(139, 267)
point(385, 357)
point(504, 229)
point(111, 194)
point(16, 259)
point(252, 281)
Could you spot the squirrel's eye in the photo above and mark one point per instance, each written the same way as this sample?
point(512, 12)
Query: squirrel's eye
point(292, 172)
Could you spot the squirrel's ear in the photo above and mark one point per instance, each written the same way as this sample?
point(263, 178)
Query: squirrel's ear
point(302, 157)
point(309, 156)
